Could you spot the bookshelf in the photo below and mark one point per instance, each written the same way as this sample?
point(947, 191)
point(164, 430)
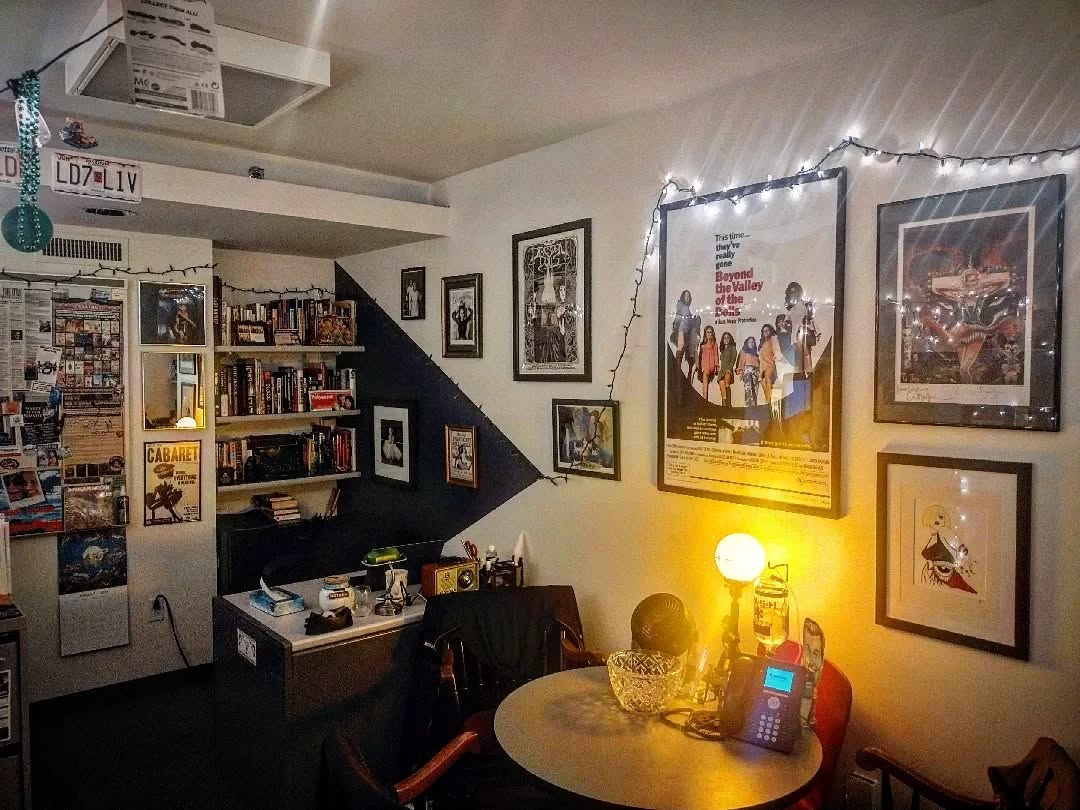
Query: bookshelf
point(264, 486)
point(300, 416)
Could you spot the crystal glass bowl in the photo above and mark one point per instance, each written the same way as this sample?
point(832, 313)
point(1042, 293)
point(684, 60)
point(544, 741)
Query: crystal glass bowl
point(642, 680)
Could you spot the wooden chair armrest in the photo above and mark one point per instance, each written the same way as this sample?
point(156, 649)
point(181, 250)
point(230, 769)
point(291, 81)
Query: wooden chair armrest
point(418, 783)
point(573, 658)
point(875, 759)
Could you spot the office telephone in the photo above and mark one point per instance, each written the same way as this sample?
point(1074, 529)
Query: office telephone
point(760, 705)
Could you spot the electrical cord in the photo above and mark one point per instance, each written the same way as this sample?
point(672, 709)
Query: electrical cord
point(172, 623)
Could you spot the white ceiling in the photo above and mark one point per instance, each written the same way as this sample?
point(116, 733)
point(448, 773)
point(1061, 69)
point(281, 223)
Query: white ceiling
point(426, 89)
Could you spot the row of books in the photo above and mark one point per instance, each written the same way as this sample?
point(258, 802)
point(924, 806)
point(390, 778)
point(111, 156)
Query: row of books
point(288, 321)
point(250, 388)
point(324, 451)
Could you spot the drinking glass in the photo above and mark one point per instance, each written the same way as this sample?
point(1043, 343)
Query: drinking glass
point(364, 601)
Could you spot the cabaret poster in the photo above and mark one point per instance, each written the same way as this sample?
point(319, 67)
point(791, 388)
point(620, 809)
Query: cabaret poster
point(751, 290)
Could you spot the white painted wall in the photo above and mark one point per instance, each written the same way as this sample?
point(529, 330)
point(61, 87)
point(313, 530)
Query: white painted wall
point(178, 560)
point(995, 77)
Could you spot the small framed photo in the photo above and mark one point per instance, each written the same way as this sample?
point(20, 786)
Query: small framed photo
point(585, 437)
point(463, 316)
point(252, 333)
point(553, 303)
point(953, 556)
point(393, 442)
point(172, 314)
point(461, 462)
point(413, 293)
point(187, 399)
point(969, 307)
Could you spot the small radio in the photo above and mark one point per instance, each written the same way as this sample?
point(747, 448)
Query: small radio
point(449, 576)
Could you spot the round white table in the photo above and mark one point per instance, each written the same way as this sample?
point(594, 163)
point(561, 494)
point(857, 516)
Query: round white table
point(569, 730)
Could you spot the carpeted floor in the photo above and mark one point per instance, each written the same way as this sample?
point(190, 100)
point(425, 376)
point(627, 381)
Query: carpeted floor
point(143, 745)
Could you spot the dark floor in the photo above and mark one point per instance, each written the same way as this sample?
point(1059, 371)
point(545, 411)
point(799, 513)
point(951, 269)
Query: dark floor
point(143, 745)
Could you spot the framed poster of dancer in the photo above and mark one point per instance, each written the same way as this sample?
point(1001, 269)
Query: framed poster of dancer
point(969, 307)
point(751, 317)
point(954, 538)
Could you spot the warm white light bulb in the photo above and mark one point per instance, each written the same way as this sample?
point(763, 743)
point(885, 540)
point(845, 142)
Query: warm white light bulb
point(740, 557)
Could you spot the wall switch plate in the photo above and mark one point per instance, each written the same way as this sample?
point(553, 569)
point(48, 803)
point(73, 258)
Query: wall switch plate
point(157, 610)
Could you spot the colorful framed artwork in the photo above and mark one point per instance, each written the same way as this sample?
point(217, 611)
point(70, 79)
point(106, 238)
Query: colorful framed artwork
point(969, 307)
point(553, 303)
point(172, 314)
point(461, 460)
point(173, 476)
point(413, 293)
point(953, 555)
point(585, 437)
point(463, 315)
point(393, 442)
point(751, 292)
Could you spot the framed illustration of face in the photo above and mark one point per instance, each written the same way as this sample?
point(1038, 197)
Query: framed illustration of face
point(461, 461)
point(953, 550)
point(969, 307)
point(463, 316)
point(553, 303)
point(585, 437)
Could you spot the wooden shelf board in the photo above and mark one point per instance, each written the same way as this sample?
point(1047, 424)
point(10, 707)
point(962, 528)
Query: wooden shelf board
point(283, 417)
point(287, 349)
point(285, 482)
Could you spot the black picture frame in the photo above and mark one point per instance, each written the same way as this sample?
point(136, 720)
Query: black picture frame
point(465, 473)
point(572, 423)
point(981, 277)
point(757, 484)
point(463, 336)
point(417, 277)
point(172, 314)
point(387, 467)
point(553, 335)
point(948, 556)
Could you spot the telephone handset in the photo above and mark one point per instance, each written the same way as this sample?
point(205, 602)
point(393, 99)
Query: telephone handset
point(762, 702)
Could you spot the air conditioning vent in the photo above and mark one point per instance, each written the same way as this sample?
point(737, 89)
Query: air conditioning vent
point(79, 251)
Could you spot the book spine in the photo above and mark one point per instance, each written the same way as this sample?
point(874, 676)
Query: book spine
point(217, 310)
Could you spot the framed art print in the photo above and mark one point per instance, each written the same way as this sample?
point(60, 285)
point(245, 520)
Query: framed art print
point(953, 550)
point(461, 460)
point(172, 314)
point(463, 316)
point(413, 293)
point(969, 307)
point(393, 442)
point(751, 292)
point(553, 303)
point(585, 437)
point(173, 476)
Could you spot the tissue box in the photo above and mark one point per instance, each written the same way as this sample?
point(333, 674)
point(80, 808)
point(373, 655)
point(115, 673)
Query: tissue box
point(289, 603)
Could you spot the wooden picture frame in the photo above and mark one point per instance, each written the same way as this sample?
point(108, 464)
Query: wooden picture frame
point(463, 315)
point(462, 463)
point(393, 442)
point(414, 294)
point(969, 307)
point(553, 303)
point(585, 438)
point(953, 550)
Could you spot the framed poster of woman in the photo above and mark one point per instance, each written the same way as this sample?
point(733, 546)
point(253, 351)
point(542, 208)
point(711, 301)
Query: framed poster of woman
point(463, 316)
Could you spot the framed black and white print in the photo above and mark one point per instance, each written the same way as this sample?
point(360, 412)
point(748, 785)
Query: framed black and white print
point(953, 554)
point(172, 314)
point(393, 442)
point(463, 316)
point(413, 293)
point(553, 303)
point(585, 437)
point(969, 307)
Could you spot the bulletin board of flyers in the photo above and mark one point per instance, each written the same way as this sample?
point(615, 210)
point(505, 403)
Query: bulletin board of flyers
point(62, 444)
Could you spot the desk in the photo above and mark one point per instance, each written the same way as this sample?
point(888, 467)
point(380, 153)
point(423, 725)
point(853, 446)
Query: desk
point(271, 715)
point(569, 730)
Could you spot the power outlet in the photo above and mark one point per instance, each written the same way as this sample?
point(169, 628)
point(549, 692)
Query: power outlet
point(157, 610)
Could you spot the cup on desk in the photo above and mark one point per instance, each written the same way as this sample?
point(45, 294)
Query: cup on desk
point(364, 601)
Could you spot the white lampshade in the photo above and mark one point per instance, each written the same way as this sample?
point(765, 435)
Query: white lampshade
point(186, 422)
point(740, 557)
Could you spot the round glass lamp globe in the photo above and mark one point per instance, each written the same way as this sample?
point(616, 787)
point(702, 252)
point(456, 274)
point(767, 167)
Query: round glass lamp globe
point(740, 557)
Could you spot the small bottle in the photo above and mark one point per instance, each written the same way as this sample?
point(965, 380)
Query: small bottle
point(490, 558)
point(122, 505)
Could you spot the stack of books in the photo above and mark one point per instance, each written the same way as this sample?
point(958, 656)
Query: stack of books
point(283, 508)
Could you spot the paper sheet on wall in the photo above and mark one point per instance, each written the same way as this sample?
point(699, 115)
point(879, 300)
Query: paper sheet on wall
point(92, 576)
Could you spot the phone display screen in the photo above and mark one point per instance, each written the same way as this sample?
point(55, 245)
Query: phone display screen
point(778, 679)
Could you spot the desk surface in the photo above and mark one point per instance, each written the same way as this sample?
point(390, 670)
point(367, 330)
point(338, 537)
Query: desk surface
point(290, 628)
point(569, 730)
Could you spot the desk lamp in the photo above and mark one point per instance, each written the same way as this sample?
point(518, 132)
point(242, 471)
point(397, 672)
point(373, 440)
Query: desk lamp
point(740, 560)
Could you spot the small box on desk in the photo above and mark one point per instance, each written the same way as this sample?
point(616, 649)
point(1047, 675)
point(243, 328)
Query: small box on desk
point(288, 603)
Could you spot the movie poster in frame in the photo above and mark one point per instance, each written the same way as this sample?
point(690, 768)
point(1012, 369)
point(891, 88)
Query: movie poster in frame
point(751, 316)
point(953, 556)
point(969, 307)
point(553, 303)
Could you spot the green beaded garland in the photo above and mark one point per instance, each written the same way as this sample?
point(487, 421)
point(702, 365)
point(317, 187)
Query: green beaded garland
point(26, 228)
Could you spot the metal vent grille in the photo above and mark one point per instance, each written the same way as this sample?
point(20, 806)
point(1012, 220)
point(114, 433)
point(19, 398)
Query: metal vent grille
point(95, 250)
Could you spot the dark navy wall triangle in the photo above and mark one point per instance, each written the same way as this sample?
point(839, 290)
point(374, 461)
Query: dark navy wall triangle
point(393, 367)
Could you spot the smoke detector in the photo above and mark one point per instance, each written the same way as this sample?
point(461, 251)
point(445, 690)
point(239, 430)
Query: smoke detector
point(261, 77)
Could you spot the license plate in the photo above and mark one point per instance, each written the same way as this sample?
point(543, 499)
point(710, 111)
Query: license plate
point(96, 177)
point(9, 165)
